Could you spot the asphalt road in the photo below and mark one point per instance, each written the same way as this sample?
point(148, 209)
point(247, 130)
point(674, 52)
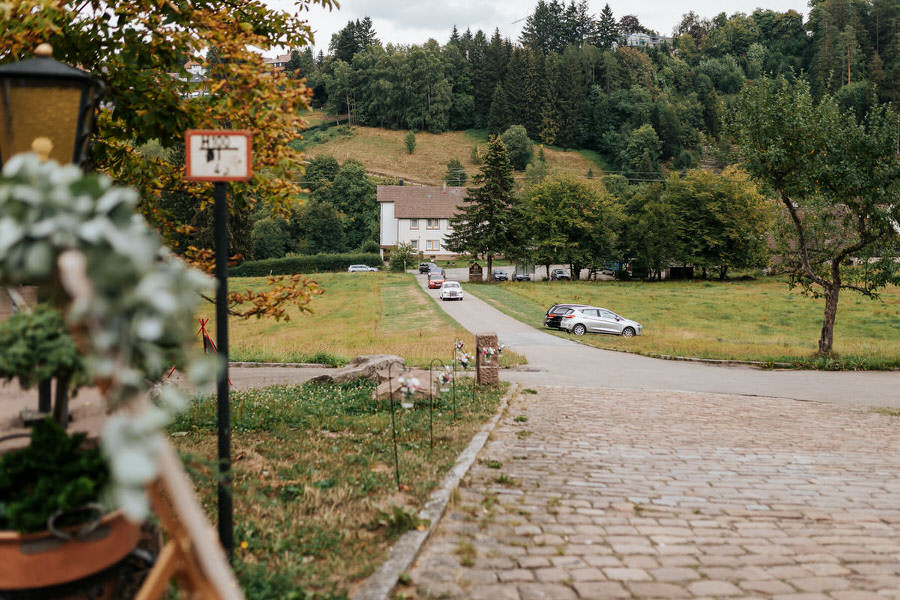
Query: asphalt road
point(553, 361)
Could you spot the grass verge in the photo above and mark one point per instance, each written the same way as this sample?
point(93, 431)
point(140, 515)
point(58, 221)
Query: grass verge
point(739, 320)
point(316, 502)
point(359, 313)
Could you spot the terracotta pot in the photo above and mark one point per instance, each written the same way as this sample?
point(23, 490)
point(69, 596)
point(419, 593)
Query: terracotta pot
point(42, 559)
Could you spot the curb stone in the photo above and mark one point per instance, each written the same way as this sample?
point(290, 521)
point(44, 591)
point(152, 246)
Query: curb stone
point(286, 365)
point(382, 582)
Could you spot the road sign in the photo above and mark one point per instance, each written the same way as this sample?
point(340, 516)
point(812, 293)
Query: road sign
point(217, 155)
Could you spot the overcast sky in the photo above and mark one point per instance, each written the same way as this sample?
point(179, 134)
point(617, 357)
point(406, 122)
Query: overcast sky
point(413, 22)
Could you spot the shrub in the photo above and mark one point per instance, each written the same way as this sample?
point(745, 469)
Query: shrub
point(410, 141)
point(404, 256)
point(269, 238)
point(519, 146)
point(314, 263)
point(370, 247)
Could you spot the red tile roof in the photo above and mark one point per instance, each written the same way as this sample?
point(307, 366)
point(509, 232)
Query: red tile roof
point(422, 201)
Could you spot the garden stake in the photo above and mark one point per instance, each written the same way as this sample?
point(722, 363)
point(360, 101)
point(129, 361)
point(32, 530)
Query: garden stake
point(453, 384)
point(393, 426)
point(431, 401)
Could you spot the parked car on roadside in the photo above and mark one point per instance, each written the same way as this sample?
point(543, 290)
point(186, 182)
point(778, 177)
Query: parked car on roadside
point(555, 314)
point(501, 276)
point(435, 280)
point(557, 274)
point(521, 277)
point(426, 267)
point(594, 319)
point(451, 290)
point(360, 268)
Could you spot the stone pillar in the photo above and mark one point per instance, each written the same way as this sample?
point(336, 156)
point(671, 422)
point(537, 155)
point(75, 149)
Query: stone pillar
point(487, 368)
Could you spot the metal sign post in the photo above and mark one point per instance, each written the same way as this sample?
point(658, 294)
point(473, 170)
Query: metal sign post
point(221, 156)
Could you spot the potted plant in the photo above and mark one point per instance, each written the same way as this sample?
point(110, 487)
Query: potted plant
point(54, 527)
point(35, 347)
point(126, 307)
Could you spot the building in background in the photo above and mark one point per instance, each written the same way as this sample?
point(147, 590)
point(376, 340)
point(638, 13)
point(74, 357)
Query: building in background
point(417, 215)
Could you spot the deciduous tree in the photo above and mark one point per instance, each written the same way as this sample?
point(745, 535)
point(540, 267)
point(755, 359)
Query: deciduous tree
point(837, 176)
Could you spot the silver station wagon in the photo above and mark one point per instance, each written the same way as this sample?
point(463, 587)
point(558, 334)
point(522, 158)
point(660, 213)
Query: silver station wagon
point(593, 319)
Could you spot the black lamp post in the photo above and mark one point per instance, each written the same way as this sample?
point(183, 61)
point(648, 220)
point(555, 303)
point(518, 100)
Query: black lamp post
point(47, 107)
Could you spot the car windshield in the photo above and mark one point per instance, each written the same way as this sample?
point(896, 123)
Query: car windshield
point(451, 284)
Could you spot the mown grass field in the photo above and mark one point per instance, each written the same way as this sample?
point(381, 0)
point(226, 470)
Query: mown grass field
point(359, 313)
point(383, 151)
point(760, 320)
point(316, 503)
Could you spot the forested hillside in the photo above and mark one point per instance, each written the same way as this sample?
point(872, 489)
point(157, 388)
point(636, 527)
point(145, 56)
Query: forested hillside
point(572, 82)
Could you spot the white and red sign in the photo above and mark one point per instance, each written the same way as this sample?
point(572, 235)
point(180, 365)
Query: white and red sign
point(218, 155)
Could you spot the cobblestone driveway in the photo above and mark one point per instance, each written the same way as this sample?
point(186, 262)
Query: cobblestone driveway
point(620, 494)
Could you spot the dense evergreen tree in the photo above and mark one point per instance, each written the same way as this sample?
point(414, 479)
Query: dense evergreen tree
point(484, 225)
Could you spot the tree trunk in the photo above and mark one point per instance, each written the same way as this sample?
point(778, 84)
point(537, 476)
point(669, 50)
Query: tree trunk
point(831, 304)
point(61, 406)
point(547, 274)
point(723, 270)
point(575, 270)
point(490, 261)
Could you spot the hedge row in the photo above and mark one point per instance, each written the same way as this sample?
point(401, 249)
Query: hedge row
point(315, 263)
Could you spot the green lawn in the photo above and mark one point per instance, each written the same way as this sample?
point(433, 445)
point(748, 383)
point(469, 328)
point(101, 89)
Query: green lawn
point(746, 320)
point(316, 503)
point(359, 313)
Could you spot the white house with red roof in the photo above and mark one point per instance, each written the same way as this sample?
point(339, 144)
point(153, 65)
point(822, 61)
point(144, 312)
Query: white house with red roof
point(418, 215)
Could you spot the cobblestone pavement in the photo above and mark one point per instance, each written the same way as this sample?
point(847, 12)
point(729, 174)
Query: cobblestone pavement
point(624, 494)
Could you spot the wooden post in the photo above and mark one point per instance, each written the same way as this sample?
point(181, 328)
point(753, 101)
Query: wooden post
point(487, 368)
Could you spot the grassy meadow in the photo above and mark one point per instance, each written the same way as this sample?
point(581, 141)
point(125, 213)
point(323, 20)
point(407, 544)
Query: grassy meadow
point(383, 151)
point(359, 313)
point(736, 320)
point(315, 496)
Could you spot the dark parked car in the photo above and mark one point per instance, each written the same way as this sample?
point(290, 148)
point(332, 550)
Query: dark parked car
point(501, 276)
point(427, 267)
point(555, 313)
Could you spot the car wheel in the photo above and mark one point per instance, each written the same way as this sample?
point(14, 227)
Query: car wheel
point(579, 329)
point(628, 332)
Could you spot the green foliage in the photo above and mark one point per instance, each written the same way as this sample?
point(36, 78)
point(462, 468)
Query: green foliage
point(315, 263)
point(370, 247)
point(404, 257)
point(409, 140)
point(36, 346)
point(484, 223)
point(321, 169)
point(569, 221)
point(269, 238)
point(640, 156)
point(475, 155)
point(724, 219)
point(519, 146)
point(320, 228)
point(397, 521)
point(456, 173)
point(54, 473)
point(838, 179)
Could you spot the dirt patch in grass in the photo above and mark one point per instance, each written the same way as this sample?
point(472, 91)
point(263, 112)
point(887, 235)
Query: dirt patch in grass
point(741, 320)
point(316, 500)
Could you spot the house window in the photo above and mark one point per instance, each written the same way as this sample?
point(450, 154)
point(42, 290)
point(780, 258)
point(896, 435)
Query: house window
point(413, 223)
point(432, 245)
point(414, 244)
point(433, 224)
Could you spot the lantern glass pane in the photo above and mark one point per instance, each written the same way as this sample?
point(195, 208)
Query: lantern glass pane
point(31, 108)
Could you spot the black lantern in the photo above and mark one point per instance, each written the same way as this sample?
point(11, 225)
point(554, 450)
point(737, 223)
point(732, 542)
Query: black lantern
point(47, 107)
